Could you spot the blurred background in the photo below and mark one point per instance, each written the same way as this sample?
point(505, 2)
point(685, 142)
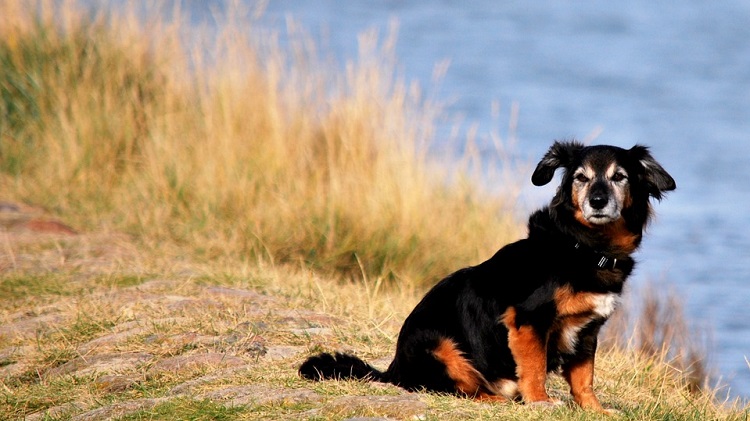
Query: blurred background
point(675, 77)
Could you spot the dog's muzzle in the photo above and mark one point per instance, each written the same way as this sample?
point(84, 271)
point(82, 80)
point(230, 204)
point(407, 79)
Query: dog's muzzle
point(599, 208)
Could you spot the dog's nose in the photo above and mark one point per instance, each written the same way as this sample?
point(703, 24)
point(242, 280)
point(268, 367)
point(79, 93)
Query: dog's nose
point(598, 201)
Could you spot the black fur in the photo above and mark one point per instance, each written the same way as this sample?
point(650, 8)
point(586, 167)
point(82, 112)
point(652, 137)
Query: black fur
point(338, 366)
point(467, 307)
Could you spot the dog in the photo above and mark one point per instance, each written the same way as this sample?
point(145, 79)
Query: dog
point(494, 331)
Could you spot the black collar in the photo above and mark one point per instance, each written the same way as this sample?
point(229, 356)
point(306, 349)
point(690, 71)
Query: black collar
point(600, 260)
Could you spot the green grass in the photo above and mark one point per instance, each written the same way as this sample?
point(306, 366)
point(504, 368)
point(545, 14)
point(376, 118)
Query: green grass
point(187, 410)
point(19, 286)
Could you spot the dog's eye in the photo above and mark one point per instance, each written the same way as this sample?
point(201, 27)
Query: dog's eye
point(581, 178)
point(618, 177)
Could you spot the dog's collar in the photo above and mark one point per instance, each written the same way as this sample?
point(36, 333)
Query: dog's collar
point(600, 260)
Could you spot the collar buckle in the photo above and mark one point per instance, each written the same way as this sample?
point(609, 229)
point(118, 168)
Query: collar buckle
point(602, 262)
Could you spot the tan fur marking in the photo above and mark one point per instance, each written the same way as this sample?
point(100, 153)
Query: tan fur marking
point(467, 378)
point(627, 201)
point(580, 377)
point(570, 303)
point(529, 353)
point(578, 194)
point(575, 310)
point(620, 237)
point(509, 318)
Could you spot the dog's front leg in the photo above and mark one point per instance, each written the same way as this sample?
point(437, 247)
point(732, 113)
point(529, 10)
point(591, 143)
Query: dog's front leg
point(579, 373)
point(529, 350)
point(580, 377)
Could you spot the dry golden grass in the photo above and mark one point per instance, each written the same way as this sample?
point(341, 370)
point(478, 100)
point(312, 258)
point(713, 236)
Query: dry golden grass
point(653, 323)
point(238, 148)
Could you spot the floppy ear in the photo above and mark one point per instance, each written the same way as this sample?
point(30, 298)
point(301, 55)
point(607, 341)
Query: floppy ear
point(560, 154)
point(657, 178)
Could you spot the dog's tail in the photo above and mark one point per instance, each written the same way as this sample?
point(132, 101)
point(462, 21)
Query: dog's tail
point(341, 367)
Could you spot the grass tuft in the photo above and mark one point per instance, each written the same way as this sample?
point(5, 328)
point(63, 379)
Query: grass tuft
point(654, 324)
point(187, 409)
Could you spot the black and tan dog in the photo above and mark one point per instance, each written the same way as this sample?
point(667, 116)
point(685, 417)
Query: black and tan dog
point(493, 331)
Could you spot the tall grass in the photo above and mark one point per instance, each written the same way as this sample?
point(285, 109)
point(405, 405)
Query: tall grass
point(654, 325)
point(235, 146)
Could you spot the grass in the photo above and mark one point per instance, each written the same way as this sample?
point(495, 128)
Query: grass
point(262, 193)
point(659, 329)
point(642, 387)
point(258, 153)
point(192, 410)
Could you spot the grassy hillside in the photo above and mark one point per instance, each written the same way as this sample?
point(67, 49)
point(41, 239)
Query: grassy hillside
point(93, 327)
point(238, 148)
point(239, 205)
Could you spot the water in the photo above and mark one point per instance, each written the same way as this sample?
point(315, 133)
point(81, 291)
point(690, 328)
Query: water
point(674, 76)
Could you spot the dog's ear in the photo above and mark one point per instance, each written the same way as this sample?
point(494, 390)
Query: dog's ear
point(657, 178)
point(560, 154)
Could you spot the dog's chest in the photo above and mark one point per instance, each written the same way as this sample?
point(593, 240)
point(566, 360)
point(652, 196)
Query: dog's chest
point(604, 304)
point(575, 310)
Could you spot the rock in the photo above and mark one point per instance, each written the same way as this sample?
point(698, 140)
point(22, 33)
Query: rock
point(19, 217)
point(185, 340)
point(245, 295)
point(305, 318)
point(258, 394)
point(11, 361)
point(9, 207)
point(196, 361)
point(119, 409)
point(256, 349)
point(105, 363)
point(402, 407)
point(191, 304)
point(56, 412)
point(369, 419)
point(109, 341)
point(312, 331)
point(13, 369)
point(12, 352)
point(115, 383)
point(30, 327)
point(252, 327)
point(281, 352)
point(48, 226)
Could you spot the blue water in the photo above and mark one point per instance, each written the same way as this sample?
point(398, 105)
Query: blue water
point(671, 75)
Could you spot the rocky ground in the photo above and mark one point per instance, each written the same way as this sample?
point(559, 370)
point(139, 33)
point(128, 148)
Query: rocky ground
point(88, 332)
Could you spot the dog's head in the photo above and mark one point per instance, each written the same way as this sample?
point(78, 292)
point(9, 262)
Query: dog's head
point(604, 184)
